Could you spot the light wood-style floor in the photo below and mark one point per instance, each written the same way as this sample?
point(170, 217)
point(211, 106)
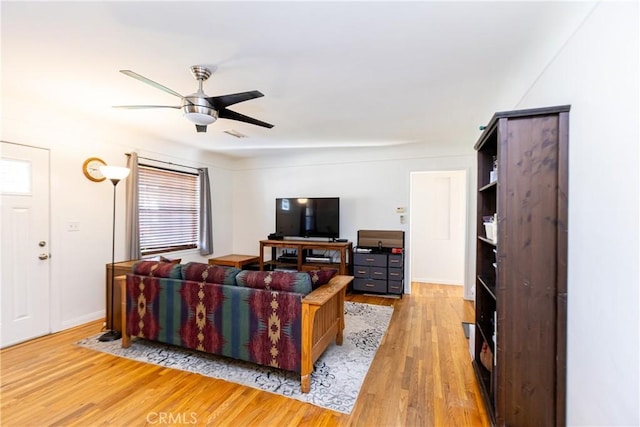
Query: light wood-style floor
point(421, 376)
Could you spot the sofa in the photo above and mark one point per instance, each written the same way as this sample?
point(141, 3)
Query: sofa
point(275, 318)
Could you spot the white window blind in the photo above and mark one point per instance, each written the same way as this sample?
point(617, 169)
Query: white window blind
point(168, 203)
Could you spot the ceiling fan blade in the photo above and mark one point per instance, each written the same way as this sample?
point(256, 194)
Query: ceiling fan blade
point(220, 102)
point(150, 82)
point(133, 107)
point(232, 115)
point(201, 128)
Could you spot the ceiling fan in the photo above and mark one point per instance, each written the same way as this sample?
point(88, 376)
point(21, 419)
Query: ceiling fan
point(200, 109)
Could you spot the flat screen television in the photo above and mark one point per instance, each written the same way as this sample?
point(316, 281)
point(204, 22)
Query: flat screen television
point(308, 217)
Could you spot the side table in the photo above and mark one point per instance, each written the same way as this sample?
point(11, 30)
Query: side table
point(235, 260)
point(119, 268)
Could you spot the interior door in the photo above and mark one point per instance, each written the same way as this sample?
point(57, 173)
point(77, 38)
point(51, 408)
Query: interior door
point(25, 276)
point(438, 218)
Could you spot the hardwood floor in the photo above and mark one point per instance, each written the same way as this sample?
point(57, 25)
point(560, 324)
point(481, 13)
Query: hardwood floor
point(421, 376)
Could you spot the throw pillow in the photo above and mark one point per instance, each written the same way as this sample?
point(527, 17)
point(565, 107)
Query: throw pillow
point(167, 270)
point(321, 277)
point(219, 274)
point(275, 281)
point(164, 259)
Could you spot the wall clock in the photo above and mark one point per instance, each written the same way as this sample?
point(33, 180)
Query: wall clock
point(91, 169)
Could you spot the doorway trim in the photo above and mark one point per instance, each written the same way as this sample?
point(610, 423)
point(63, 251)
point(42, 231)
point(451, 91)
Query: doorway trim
point(469, 239)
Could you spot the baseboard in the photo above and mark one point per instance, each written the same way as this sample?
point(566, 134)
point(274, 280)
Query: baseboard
point(81, 320)
point(437, 281)
point(392, 296)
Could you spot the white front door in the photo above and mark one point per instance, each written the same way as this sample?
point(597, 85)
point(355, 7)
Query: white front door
point(25, 278)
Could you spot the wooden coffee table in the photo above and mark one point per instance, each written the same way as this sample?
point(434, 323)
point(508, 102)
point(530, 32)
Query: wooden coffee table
point(235, 260)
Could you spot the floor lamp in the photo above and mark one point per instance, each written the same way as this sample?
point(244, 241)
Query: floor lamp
point(114, 174)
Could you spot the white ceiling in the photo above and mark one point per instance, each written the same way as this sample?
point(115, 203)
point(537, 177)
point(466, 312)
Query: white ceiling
point(334, 74)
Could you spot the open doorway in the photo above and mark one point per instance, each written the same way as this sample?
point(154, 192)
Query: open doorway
point(438, 227)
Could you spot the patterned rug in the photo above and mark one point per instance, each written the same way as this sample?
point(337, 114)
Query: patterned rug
point(335, 382)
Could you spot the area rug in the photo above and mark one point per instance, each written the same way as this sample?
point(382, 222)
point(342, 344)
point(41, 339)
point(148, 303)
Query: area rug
point(336, 379)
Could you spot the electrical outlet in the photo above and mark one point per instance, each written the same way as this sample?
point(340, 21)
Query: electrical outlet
point(73, 226)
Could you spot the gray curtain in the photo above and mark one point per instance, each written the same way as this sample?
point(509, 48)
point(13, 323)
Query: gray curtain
point(132, 233)
point(205, 239)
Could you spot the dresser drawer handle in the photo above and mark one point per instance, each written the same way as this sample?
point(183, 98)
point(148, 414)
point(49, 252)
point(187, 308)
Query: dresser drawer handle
point(369, 285)
point(370, 259)
point(362, 272)
point(394, 274)
point(377, 273)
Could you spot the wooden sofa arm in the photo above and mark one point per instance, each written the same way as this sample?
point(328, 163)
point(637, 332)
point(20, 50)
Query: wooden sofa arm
point(322, 322)
point(325, 292)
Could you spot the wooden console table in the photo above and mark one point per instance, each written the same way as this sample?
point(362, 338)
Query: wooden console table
point(301, 246)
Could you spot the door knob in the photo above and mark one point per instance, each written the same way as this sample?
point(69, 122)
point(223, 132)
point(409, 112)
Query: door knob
point(43, 256)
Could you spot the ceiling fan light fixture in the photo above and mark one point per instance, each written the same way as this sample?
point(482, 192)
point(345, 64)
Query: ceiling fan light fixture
point(200, 115)
point(200, 119)
point(198, 108)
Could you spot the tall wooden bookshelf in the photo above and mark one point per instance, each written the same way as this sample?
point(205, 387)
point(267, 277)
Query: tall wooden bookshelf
point(521, 282)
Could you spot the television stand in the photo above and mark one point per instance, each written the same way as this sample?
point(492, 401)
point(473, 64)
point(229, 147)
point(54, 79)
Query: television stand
point(345, 249)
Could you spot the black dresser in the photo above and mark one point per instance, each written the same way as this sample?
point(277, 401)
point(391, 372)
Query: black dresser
point(378, 262)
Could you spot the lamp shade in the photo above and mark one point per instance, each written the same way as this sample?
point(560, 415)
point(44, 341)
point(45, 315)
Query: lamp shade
point(114, 172)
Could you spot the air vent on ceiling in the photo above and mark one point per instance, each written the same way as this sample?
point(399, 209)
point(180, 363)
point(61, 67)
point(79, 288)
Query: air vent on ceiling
point(235, 133)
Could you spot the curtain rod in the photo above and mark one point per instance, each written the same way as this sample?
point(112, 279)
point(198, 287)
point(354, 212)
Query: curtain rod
point(162, 161)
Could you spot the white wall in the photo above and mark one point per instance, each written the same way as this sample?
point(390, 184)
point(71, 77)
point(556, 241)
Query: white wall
point(370, 186)
point(78, 258)
point(597, 73)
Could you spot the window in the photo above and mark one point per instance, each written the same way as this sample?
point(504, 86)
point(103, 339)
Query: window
point(15, 177)
point(168, 204)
